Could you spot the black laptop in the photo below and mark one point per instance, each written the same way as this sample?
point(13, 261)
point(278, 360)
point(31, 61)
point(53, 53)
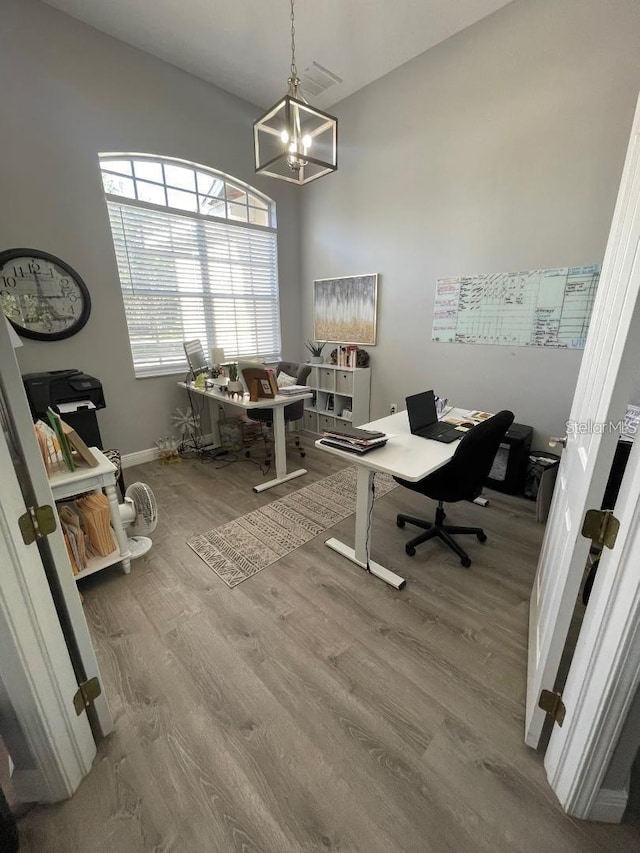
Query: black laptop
point(423, 419)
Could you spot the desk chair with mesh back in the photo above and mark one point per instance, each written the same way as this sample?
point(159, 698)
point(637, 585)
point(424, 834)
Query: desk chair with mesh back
point(461, 479)
point(295, 411)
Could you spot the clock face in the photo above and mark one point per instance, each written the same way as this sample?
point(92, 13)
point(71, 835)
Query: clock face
point(42, 296)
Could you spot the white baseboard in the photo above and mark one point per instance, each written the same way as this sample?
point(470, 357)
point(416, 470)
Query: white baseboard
point(609, 805)
point(28, 786)
point(139, 457)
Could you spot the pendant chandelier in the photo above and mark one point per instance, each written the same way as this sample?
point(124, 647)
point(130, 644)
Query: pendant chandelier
point(294, 141)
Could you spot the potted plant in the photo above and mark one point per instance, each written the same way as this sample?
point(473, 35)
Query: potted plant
point(234, 386)
point(316, 352)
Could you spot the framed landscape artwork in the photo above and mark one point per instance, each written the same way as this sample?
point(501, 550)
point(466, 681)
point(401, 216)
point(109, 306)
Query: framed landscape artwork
point(344, 309)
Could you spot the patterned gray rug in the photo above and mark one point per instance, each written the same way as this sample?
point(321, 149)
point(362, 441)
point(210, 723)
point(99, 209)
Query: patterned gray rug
point(241, 548)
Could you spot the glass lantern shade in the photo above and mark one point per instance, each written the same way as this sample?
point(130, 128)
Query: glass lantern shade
point(295, 142)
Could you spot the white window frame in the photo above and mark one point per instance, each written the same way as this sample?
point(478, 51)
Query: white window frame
point(237, 200)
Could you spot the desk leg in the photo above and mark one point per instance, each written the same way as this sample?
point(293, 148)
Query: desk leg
point(214, 421)
point(118, 529)
point(360, 554)
point(279, 440)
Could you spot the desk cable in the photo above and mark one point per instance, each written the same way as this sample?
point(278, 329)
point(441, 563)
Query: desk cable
point(373, 497)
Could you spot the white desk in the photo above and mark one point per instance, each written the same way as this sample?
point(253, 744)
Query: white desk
point(279, 434)
point(404, 455)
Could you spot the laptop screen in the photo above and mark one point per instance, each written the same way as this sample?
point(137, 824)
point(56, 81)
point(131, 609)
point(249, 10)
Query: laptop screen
point(421, 409)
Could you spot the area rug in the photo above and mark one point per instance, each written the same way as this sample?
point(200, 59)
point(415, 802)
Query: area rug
point(240, 549)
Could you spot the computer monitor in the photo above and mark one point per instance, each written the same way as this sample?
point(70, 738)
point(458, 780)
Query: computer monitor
point(196, 357)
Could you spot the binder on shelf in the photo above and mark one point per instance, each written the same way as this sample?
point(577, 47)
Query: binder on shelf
point(65, 449)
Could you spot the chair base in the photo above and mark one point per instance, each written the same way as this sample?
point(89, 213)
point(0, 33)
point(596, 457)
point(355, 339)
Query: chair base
point(437, 529)
point(268, 446)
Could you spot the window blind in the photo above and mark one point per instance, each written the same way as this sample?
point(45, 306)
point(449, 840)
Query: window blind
point(185, 277)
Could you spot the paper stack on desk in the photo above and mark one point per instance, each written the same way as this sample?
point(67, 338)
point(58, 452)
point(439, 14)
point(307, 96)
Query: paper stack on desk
point(354, 440)
point(291, 390)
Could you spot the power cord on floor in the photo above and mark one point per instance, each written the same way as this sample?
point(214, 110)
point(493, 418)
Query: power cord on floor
point(373, 497)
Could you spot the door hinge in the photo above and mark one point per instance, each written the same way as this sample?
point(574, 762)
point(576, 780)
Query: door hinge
point(554, 706)
point(86, 694)
point(601, 526)
point(36, 523)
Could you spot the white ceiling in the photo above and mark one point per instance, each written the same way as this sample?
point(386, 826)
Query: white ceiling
point(243, 46)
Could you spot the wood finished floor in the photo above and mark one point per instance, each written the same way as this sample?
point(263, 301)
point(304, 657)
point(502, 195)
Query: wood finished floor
point(313, 708)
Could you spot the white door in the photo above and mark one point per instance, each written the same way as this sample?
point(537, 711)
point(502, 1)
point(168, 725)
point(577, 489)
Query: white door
point(53, 746)
point(608, 375)
point(35, 485)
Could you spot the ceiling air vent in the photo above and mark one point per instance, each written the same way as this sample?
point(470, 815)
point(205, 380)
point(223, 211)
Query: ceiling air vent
point(317, 79)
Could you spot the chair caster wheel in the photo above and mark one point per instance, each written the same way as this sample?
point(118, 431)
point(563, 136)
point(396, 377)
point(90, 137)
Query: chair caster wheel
point(411, 551)
point(399, 522)
point(303, 454)
point(482, 537)
point(465, 561)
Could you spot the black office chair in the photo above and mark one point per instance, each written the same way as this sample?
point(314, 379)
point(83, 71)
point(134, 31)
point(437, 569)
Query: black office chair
point(461, 479)
point(295, 411)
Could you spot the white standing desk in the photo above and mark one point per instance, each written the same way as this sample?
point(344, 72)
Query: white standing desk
point(404, 455)
point(279, 434)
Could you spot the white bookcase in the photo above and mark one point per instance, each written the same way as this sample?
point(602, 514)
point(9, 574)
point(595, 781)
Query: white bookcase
point(336, 391)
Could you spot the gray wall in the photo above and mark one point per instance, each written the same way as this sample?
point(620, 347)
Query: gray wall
point(500, 149)
point(68, 93)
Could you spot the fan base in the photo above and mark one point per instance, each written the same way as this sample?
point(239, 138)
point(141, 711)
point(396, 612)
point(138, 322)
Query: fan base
point(139, 546)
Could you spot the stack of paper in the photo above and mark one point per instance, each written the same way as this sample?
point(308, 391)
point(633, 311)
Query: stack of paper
point(94, 509)
point(354, 440)
point(291, 390)
point(75, 537)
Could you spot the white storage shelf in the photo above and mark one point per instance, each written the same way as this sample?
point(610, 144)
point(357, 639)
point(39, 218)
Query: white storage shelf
point(65, 484)
point(336, 389)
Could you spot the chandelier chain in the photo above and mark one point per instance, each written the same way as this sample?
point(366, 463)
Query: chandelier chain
point(294, 70)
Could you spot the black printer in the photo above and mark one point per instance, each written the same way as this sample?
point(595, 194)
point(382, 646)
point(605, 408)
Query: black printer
point(79, 394)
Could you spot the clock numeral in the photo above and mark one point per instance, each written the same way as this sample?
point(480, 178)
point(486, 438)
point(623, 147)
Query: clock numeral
point(34, 267)
point(18, 272)
point(72, 297)
point(9, 281)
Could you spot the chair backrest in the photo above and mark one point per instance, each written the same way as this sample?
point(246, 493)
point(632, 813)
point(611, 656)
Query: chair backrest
point(301, 371)
point(292, 368)
point(463, 477)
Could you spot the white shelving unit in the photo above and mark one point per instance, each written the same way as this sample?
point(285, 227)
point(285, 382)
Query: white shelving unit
point(66, 484)
point(336, 391)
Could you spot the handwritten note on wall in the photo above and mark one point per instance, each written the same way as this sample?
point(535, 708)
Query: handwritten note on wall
point(535, 308)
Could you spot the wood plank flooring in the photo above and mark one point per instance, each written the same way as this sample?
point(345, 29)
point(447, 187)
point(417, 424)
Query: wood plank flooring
point(313, 708)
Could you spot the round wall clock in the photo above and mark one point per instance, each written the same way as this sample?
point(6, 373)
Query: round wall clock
point(42, 297)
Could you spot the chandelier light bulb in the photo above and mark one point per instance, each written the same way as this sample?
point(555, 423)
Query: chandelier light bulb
point(306, 141)
point(284, 136)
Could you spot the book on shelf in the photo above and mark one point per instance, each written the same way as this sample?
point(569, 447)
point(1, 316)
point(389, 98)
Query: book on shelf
point(86, 527)
point(69, 443)
point(56, 423)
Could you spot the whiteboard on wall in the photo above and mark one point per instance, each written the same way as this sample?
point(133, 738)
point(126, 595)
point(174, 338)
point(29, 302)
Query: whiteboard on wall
point(535, 308)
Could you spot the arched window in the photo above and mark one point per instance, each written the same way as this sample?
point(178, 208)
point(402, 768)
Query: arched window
point(197, 258)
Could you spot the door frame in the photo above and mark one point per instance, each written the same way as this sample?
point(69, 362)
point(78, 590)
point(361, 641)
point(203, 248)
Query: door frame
point(37, 677)
point(84, 657)
point(604, 675)
point(605, 670)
